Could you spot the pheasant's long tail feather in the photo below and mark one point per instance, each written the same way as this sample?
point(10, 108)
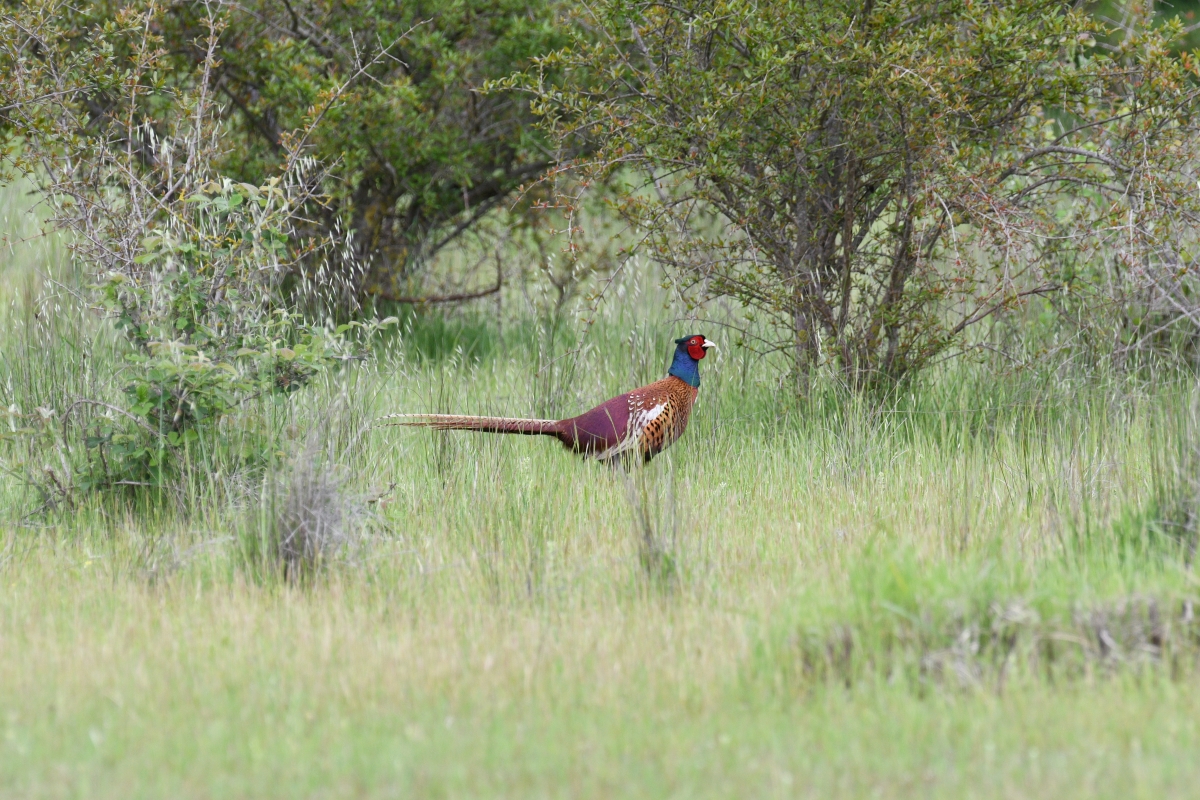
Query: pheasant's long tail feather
point(453, 422)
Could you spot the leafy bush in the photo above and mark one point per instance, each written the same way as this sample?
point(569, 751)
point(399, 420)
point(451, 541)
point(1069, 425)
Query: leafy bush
point(871, 180)
point(1121, 182)
point(420, 155)
point(196, 269)
point(208, 330)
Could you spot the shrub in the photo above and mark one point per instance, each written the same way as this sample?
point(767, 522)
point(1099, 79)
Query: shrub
point(869, 179)
point(313, 519)
point(194, 268)
point(1121, 182)
point(420, 156)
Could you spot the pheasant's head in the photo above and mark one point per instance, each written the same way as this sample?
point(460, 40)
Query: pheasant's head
point(688, 352)
point(695, 346)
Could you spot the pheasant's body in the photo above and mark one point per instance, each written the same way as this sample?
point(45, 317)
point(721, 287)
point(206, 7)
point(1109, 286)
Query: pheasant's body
point(643, 422)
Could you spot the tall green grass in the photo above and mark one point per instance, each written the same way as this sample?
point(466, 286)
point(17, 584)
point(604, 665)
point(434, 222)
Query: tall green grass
point(980, 586)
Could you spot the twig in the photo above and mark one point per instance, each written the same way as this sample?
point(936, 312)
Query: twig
point(121, 411)
point(445, 298)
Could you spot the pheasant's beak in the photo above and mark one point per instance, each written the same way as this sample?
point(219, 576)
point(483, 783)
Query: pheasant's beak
point(707, 344)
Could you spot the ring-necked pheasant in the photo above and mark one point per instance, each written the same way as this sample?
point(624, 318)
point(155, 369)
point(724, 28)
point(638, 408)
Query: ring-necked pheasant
point(642, 422)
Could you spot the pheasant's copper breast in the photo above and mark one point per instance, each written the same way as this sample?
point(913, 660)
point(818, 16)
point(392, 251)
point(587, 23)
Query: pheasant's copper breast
point(665, 407)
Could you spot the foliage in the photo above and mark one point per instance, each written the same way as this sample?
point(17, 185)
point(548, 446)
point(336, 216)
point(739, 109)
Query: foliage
point(1120, 18)
point(193, 267)
point(859, 174)
point(208, 335)
point(1118, 174)
point(420, 155)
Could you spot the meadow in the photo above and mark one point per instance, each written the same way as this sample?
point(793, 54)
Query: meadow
point(980, 586)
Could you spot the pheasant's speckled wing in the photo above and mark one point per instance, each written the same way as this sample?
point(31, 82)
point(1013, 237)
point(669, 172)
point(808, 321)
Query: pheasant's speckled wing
point(658, 415)
point(643, 414)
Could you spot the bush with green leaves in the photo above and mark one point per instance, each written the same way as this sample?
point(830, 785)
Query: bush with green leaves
point(872, 179)
point(418, 153)
point(197, 271)
point(209, 329)
point(1122, 241)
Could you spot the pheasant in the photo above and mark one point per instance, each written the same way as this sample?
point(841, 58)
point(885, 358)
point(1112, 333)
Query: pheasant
point(642, 423)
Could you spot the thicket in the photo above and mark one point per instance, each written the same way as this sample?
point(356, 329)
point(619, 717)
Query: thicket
point(420, 155)
point(871, 180)
point(197, 271)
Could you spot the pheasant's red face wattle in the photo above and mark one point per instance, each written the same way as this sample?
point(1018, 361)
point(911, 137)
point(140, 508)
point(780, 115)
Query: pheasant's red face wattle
point(696, 347)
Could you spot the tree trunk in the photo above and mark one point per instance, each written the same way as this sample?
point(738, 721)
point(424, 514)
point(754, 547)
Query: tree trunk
point(805, 344)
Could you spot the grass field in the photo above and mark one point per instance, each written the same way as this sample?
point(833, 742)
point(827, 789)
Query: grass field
point(979, 588)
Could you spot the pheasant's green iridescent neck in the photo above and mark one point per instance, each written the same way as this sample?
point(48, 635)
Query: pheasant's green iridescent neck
point(686, 368)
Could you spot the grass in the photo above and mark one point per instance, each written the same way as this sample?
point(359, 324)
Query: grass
point(980, 588)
